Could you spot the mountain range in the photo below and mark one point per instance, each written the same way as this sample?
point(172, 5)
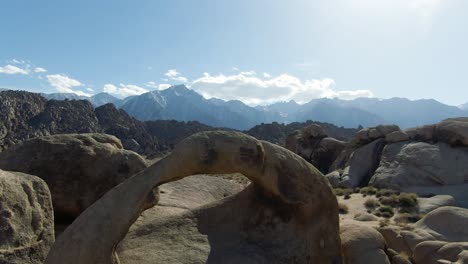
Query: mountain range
point(183, 104)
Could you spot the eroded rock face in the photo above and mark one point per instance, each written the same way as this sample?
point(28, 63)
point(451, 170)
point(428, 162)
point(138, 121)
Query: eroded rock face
point(453, 131)
point(436, 252)
point(288, 214)
point(370, 134)
point(79, 168)
point(312, 144)
point(26, 219)
point(362, 163)
point(16, 109)
point(421, 164)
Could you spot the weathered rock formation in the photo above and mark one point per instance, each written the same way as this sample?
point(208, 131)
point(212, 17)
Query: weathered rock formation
point(439, 237)
point(26, 219)
point(313, 144)
point(288, 214)
point(157, 235)
point(78, 168)
point(361, 244)
point(421, 164)
point(428, 160)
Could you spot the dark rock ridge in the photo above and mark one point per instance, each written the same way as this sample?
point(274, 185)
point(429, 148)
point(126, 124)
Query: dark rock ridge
point(135, 135)
point(27, 115)
point(97, 99)
point(277, 133)
point(16, 110)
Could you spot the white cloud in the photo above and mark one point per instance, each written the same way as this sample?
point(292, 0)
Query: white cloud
point(266, 75)
point(10, 69)
point(151, 84)
point(39, 70)
point(110, 88)
point(252, 89)
point(163, 86)
point(350, 95)
point(173, 74)
point(65, 84)
point(156, 86)
point(124, 90)
point(90, 89)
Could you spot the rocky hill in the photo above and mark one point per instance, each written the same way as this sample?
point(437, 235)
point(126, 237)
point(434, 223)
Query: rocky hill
point(171, 132)
point(16, 110)
point(27, 115)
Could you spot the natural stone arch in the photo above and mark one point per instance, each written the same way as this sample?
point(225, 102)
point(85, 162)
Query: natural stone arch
point(297, 193)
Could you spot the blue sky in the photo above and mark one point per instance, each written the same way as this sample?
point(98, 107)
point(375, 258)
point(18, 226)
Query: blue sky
point(258, 51)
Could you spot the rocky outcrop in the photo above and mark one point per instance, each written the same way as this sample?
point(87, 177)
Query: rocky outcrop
point(27, 115)
point(370, 134)
point(453, 131)
point(134, 134)
point(277, 133)
point(313, 144)
point(408, 164)
point(429, 204)
point(79, 169)
point(61, 117)
point(436, 252)
point(16, 109)
point(439, 237)
point(362, 164)
point(171, 132)
point(26, 219)
point(361, 244)
point(288, 214)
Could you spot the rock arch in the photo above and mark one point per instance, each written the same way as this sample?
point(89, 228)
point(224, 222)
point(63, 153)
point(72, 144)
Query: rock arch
point(295, 193)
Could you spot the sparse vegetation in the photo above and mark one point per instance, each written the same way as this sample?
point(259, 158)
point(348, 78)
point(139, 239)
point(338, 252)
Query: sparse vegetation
point(385, 211)
point(386, 192)
point(342, 192)
point(408, 218)
point(408, 200)
point(392, 200)
point(343, 208)
point(369, 190)
point(384, 223)
point(371, 203)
